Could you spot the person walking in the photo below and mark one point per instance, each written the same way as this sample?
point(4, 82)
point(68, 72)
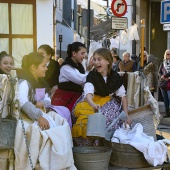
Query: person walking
point(164, 71)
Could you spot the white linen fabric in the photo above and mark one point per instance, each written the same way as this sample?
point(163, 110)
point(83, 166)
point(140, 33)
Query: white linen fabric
point(50, 149)
point(154, 152)
point(114, 43)
point(93, 47)
point(133, 32)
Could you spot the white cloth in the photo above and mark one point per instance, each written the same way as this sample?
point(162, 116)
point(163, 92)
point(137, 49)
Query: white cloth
point(124, 37)
point(154, 152)
point(50, 149)
point(133, 33)
point(114, 43)
point(68, 73)
point(93, 47)
point(133, 89)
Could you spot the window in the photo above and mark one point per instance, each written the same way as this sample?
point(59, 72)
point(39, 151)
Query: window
point(18, 28)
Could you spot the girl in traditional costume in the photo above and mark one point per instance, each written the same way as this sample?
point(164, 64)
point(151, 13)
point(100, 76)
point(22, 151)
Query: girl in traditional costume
point(48, 134)
point(101, 87)
point(53, 66)
point(72, 77)
point(6, 63)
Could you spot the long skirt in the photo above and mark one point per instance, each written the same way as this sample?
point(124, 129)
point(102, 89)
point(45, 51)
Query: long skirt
point(110, 108)
point(65, 98)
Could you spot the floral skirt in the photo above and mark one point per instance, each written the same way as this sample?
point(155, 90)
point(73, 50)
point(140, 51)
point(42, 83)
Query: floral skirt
point(110, 108)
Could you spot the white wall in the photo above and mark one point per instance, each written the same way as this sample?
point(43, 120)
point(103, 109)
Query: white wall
point(44, 22)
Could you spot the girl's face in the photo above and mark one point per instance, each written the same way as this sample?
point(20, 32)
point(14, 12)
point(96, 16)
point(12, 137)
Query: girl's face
point(7, 64)
point(78, 57)
point(101, 64)
point(40, 70)
point(44, 53)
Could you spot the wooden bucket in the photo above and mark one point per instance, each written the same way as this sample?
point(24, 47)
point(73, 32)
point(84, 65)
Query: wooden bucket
point(126, 156)
point(91, 158)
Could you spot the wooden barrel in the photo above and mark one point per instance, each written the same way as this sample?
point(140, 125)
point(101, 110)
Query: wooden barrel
point(91, 158)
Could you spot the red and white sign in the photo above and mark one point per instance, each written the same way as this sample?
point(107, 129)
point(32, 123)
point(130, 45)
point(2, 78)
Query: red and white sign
point(119, 7)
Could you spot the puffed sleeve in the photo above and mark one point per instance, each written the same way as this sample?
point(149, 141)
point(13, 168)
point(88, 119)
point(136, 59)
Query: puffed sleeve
point(88, 88)
point(121, 92)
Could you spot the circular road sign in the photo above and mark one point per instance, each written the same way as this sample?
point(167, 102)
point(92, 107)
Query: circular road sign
point(119, 7)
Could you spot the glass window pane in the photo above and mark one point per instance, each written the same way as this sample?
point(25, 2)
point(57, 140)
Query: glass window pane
point(4, 19)
point(4, 44)
point(21, 47)
point(22, 18)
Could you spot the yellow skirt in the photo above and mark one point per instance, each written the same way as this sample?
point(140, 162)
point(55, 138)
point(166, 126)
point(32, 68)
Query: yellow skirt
point(82, 111)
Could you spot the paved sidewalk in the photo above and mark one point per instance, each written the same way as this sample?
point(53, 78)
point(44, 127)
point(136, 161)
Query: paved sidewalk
point(164, 121)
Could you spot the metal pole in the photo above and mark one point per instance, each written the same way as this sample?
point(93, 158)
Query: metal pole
point(88, 25)
point(134, 20)
point(60, 50)
point(142, 42)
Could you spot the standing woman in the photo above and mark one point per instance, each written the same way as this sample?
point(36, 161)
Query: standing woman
point(6, 63)
point(53, 66)
point(164, 69)
point(72, 77)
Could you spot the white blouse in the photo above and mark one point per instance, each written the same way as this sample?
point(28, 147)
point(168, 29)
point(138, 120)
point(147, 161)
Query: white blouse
point(24, 93)
point(68, 73)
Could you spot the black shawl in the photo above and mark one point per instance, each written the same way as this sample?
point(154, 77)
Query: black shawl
point(78, 66)
point(114, 82)
point(70, 86)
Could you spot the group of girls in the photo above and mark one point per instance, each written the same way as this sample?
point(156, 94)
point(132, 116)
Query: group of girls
point(81, 92)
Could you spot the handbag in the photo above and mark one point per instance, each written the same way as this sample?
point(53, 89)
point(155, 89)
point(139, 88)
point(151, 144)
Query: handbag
point(163, 84)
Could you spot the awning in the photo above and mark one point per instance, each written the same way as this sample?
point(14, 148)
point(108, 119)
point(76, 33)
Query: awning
point(98, 31)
